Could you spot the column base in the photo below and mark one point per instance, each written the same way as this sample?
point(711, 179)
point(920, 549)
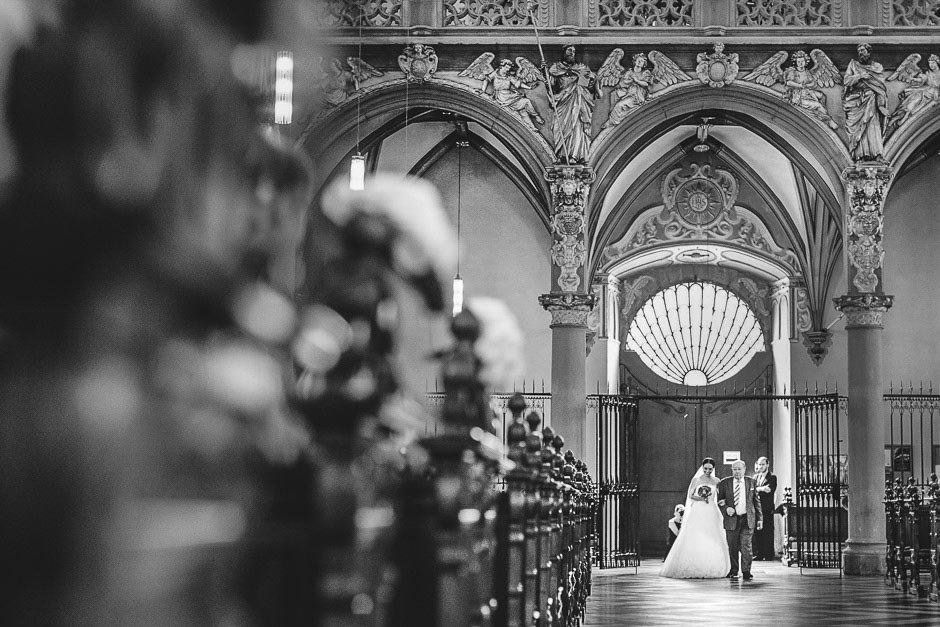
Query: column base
point(864, 558)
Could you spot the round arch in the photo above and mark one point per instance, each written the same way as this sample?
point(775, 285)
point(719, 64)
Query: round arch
point(392, 97)
point(757, 108)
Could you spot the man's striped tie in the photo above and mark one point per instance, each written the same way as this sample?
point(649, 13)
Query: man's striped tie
point(737, 493)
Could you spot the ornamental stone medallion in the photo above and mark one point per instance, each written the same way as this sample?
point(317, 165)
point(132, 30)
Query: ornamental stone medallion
point(701, 197)
point(717, 69)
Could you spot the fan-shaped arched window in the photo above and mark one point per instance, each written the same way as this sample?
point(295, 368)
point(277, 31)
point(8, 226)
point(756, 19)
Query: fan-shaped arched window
point(695, 333)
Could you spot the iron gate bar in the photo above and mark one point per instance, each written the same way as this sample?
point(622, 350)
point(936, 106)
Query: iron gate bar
point(617, 488)
point(818, 520)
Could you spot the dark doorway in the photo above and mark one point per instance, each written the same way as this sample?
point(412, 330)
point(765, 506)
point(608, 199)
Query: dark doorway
point(674, 435)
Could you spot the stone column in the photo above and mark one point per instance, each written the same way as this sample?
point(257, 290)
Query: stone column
point(864, 307)
point(569, 302)
point(569, 327)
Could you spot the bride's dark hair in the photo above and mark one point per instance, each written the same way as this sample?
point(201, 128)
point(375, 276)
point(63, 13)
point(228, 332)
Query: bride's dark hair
point(709, 460)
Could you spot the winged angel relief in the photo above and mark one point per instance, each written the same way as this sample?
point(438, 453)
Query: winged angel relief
point(631, 88)
point(923, 89)
point(800, 83)
point(336, 82)
point(507, 83)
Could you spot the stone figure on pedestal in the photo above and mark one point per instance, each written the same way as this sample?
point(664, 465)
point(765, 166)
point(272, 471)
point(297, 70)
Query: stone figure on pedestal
point(573, 85)
point(866, 106)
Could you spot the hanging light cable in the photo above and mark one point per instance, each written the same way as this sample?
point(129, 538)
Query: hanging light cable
point(458, 282)
point(357, 165)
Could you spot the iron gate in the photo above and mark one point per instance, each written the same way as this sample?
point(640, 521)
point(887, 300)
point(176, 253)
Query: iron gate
point(617, 544)
point(817, 522)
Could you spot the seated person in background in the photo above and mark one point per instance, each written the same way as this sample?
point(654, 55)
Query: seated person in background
point(674, 524)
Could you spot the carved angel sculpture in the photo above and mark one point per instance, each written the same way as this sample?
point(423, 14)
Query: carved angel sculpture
point(923, 92)
point(508, 82)
point(632, 87)
point(337, 83)
point(800, 82)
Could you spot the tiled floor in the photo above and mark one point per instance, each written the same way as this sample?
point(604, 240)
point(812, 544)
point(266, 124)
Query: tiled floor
point(777, 596)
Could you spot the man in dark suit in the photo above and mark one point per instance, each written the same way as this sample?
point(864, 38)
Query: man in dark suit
point(766, 483)
point(740, 508)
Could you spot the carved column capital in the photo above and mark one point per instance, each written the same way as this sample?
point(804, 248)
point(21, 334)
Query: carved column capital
point(570, 185)
point(568, 309)
point(864, 310)
point(866, 186)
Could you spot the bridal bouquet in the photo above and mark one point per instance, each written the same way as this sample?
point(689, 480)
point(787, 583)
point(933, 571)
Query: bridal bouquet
point(704, 491)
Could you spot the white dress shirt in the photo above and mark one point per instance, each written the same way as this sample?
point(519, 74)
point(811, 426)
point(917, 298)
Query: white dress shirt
point(740, 507)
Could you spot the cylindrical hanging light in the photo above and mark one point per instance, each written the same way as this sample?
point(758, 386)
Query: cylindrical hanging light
point(458, 294)
point(283, 87)
point(458, 282)
point(357, 172)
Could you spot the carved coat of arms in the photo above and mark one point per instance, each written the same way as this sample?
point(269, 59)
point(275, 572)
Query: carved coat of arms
point(418, 62)
point(717, 69)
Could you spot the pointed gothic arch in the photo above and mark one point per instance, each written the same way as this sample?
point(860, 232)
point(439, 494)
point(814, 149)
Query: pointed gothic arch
point(392, 99)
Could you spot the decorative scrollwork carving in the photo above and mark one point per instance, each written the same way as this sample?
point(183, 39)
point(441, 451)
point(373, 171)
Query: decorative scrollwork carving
point(489, 12)
point(867, 187)
point(784, 13)
point(916, 12)
point(646, 12)
point(569, 186)
point(717, 69)
point(357, 12)
point(700, 207)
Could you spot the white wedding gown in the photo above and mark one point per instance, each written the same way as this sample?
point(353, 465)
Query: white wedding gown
point(701, 549)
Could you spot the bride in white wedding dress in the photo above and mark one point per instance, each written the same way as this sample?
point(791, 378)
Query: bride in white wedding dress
point(701, 549)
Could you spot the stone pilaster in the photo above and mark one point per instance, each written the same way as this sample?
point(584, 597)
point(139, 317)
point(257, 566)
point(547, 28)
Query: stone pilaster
point(569, 325)
point(864, 307)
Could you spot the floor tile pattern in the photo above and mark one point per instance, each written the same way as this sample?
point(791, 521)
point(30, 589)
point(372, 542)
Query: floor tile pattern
point(777, 596)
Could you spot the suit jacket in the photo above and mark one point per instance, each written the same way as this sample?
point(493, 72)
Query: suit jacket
point(767, 498)
point(726, 492)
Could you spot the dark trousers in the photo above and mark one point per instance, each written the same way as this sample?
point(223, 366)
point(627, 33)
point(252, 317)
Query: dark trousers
point(764, 538)
point(739, 544)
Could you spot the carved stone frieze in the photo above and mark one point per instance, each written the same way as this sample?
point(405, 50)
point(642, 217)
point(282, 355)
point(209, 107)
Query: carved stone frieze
point(569, 186)
point(568, 309)
point(866, 188)
point(717, 69)
point(418, 62)
point(652, 13)
point(785, 12)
